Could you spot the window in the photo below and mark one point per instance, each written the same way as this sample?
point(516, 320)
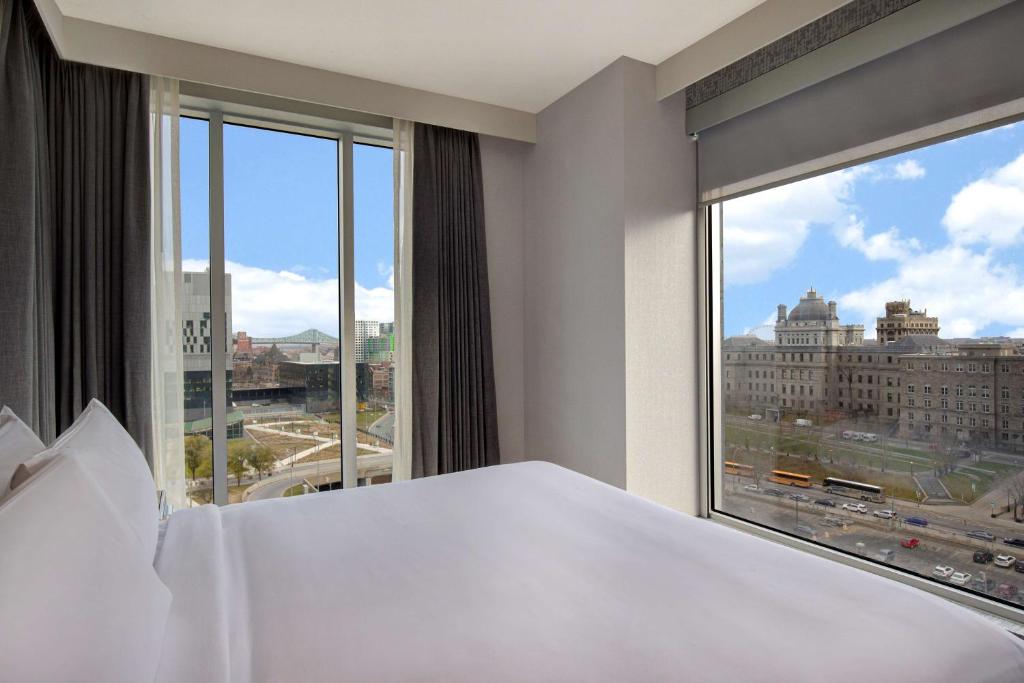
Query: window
point(837, 231)
point(271, 409)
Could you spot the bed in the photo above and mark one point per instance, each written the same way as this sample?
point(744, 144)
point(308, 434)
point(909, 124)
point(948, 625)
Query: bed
point(516, 572)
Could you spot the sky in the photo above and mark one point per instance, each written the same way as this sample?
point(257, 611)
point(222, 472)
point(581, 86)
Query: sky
point(281, 227)
point(942, 226)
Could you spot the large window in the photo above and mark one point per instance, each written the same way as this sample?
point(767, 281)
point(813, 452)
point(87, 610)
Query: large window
point(287, 309)
point(852, 302)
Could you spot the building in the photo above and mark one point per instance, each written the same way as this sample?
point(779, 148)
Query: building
point(973, 394)
point(197, 355)
point(315, 383)
point(364, 329)
point(900, 320)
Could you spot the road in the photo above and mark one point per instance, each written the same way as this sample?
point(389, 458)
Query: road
point(275, 486)
point(941, 543)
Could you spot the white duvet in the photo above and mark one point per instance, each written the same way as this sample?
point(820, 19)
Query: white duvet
point(532, 572)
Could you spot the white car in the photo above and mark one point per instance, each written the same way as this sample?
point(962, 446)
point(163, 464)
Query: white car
point(943, 572)
point(751, 487)
point(754, 417)
point(960, 578)
point(870, 438)
point(848, 434)
point(1004, 560)
point(860, 508)
point(884, 514)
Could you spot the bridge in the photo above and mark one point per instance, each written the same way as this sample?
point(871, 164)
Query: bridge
point(310, 336)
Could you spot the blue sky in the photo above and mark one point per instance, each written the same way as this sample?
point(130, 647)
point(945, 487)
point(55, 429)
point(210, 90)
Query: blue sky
point(942, 225)
point(281, 226)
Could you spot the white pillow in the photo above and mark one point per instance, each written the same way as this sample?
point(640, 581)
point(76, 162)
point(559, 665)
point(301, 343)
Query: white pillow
point(18, 443)
point(115, 461)
point(78, 599)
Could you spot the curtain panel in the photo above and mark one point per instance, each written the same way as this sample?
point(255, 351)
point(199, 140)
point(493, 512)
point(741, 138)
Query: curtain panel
point(454, 420)
point(75, 229)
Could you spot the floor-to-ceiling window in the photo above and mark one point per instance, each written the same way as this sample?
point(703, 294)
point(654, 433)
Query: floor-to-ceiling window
point(287, 235)
point(870, 387)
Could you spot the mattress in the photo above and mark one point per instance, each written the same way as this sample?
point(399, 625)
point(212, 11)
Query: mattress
point(532, 572)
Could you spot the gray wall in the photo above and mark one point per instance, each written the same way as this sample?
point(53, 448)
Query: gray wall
point(609, 290)
point(502, 163)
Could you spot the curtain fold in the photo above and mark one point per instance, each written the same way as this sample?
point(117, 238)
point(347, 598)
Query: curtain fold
point(454, 409)
point(76, 230)
point(167, 391)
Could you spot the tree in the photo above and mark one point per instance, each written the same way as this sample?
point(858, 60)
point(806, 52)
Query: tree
point(236, 461)
point(1015, 490)
point(260, 458)
point(197, 448)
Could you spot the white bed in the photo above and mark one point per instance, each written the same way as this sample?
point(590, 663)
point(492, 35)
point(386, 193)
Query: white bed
point(532, 572)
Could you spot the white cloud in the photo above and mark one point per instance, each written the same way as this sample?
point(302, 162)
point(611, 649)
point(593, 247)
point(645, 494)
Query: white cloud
point(1017, 333)
point(909, 169)
point(882, 246)
point(268, 303)
point(981, 292)
point(989, 210)
point(764, 231)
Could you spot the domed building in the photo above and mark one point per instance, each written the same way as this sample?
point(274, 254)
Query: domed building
point(812, 322)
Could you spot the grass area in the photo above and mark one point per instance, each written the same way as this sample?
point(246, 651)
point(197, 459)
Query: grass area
point(296, 490)
point(282, 446)
point(366, 418)
point(333, 453)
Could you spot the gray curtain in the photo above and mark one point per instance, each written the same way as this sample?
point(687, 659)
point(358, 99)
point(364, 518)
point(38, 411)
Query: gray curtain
point(453, 403)
point(74, 225)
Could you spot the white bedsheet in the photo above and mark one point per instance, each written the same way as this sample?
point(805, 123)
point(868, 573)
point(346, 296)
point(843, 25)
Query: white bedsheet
point(532, 572)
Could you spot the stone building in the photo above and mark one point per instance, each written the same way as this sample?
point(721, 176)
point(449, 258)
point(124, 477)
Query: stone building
point(901, 320)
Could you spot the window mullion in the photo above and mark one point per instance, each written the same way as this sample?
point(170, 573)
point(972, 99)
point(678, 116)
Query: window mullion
point(349, 469)
point(218, 317)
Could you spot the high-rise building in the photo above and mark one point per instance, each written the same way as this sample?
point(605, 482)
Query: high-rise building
point(364, 329)
point(197, 353)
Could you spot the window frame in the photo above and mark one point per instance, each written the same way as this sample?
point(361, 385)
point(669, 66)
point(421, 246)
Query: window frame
point(710, 273)
point(220, 106)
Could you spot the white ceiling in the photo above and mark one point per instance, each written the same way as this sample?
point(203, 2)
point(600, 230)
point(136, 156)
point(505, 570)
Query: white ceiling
point(522, 54)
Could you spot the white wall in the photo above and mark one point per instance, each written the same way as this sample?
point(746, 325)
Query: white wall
point(502, 164)
point(574, 295)
point(610, 289)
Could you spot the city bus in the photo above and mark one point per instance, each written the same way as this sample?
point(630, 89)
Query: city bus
point(739, 469)
point(854, 489)
point(791, 479)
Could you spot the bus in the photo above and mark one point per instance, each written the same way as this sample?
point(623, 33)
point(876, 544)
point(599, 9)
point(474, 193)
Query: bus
point(790, 479)
point(854, 489)
point(739, 469)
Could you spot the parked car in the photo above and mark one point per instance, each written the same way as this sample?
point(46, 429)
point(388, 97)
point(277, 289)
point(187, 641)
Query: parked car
point(848, 434)
point(943, 571)
point(983, 556)
point(960, 578)
point(1005, 560)
point(1006, 591)
point(775, 492)
point(827, 502)
point(916, 521)
point(910, 543)
point(803, 423)
point(1018, 566)
point(751, 487)
point(860, 508)
point(805, 529)
point(981, 535)
point(885, 555)
point(754, 417)
point(871, 438)
point(1016, 542)
point(800, 497)
point(884, 514)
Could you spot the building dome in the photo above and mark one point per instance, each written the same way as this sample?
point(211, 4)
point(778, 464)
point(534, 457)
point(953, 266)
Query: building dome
point(811, 307)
